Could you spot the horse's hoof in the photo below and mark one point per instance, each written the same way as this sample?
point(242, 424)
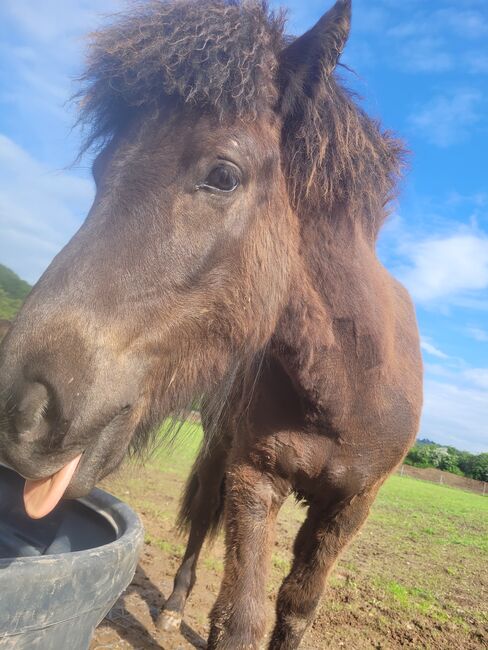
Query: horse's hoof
point(169, 621)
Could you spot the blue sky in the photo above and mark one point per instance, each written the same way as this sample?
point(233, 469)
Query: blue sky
point(422, 67)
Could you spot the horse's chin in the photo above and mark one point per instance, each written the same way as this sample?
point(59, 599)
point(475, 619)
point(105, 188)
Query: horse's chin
point(84, 481)
point(99, 460)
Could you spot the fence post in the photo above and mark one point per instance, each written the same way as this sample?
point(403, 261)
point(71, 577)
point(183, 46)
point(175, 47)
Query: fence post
point(484, 488)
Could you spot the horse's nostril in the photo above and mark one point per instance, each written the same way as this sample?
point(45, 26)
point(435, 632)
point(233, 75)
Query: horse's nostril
point(31, 408)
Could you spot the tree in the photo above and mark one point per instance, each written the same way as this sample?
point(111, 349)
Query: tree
point(449, 464)
point(419, 456)
point(480, 467)
point(448, 459)
point(13, 292)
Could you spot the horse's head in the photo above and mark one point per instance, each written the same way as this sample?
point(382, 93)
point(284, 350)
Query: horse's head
point(183, 266)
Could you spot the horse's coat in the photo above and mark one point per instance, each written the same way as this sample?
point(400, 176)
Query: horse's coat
point(229, 253)
point(4, 327)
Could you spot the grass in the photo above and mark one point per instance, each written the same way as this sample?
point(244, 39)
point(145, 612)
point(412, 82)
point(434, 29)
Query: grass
point(419, 560)
point(441, 514)
point(177, 456)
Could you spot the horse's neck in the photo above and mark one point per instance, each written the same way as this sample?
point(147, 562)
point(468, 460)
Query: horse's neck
point(303, 339)
point(328, 309)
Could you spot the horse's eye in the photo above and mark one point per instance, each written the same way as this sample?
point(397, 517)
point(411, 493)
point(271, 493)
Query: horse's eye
point(223, 178)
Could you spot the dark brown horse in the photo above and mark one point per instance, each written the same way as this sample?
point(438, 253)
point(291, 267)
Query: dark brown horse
point(4, 327)
point(229, 253)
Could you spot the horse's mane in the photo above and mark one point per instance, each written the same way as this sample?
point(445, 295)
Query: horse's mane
point(338, 159)
point(223, 56)
point(217, 54)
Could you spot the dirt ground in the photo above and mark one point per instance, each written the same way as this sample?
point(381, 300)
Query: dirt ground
point(365, 606)
point(444, 478)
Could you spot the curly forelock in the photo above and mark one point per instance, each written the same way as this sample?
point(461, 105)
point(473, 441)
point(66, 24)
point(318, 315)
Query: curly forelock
point(219, 54)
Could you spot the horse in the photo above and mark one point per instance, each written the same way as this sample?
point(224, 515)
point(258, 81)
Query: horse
point(229, 256)
point(4, 327)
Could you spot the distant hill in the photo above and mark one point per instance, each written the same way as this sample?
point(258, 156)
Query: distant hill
point(13, 292)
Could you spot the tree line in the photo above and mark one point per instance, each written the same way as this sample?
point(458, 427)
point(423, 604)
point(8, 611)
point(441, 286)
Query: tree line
point(13, 292)
point(426, 453)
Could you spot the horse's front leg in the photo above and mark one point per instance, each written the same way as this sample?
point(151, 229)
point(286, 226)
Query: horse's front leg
point(252, 502)
point(322, 537)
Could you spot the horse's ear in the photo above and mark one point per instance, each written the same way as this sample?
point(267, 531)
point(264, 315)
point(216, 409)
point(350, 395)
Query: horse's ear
point(310, 59)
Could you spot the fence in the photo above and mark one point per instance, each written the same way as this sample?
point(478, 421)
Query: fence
point(444, 478)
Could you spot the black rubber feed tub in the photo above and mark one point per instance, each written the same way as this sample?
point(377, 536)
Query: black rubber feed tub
point(61, 575)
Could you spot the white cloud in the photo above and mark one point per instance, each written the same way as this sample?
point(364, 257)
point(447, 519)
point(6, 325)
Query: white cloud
point(45, 26)
point(439, 370)
point(39, 209)
point(370, 19)
point(423, 40)
point(403, 30)
point(426, 54)
point(477, 62)
point(456, 415)
point(466, 23)
point(431, 349)
point(477, 199)
point(446, 120)
point(478, 334)
point(446, 268)
point(478, 377)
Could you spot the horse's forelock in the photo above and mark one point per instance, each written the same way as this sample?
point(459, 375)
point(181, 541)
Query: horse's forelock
point(219, 54)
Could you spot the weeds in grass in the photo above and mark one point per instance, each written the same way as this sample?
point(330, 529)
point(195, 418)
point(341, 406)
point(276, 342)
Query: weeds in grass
point(281, 564)
point(213, 564)
point(175, 550)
